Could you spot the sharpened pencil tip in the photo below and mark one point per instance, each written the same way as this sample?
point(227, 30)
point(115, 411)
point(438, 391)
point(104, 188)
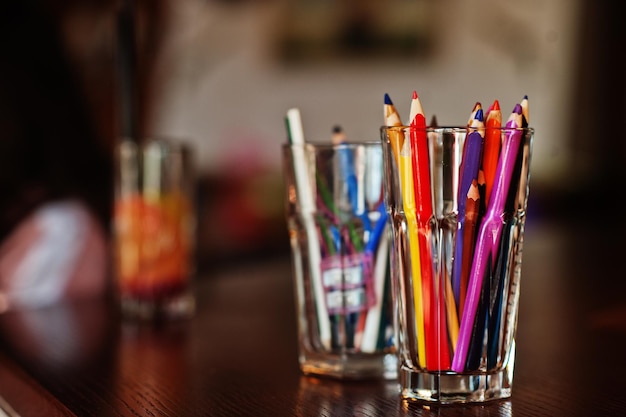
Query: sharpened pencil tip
point(388, 99)
point(337, 129)
point(479, 115)
point(414, 95)
point(517, 109)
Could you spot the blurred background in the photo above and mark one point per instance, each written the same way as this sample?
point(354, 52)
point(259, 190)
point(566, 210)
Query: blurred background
point(221, 74)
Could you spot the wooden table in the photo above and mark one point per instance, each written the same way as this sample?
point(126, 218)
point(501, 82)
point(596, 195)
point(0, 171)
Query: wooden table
point(237, 356)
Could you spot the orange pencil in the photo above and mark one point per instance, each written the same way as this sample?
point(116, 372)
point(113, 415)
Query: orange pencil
point(491, 150)
point(435, 329)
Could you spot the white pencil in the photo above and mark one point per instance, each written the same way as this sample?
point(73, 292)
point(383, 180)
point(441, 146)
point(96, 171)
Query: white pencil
point(307, 210)
point(372, 322)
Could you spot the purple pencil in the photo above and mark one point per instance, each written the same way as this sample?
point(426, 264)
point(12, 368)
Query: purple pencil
point(489, 235)
point(472, 152)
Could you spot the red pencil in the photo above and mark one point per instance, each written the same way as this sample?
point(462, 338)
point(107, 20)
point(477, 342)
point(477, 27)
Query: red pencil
point(435, 329)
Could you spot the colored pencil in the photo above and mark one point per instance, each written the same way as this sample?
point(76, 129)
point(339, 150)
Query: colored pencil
point(408, 201)
point(491, 151)
point(307, 208)
point(442, 154)
point(468, 237)
point(477, 106)
point(338, 135)
point(489, 235)
point(374, 316)
point(476, 346)
point(349, 176)
point(371, 320)
point(451, 311)
point(525, 112)
point(468, 173)
point(437, 347)
point(392, 118)
point(512, 242)
point(523, 188)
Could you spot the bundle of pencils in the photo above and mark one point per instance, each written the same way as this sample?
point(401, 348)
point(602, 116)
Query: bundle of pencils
point(346, 232)
point(455, 311)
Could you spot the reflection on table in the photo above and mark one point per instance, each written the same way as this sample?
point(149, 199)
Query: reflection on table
point(238, 355)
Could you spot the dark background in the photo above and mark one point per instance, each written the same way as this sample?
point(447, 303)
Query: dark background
point(72, 83)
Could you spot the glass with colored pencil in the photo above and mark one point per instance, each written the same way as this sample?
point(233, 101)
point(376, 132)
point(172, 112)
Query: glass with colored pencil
point(456, 257)
point(154, 229)
point(339, 238)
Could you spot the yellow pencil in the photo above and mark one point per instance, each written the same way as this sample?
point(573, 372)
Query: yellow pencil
point(403, 157)
point(453, 318)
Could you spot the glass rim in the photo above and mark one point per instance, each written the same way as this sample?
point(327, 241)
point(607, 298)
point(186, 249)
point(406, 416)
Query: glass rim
point(456, 128)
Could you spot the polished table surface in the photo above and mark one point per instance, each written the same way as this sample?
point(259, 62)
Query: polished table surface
point(238, 355)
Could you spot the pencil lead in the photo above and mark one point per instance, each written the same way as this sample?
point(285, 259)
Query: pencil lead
point(433, 121)
point(479, 115)
point(388, 99)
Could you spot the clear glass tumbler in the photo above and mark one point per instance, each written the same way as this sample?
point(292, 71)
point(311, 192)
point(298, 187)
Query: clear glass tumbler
point(154, 229)
point(456, 258)
point(340, 248)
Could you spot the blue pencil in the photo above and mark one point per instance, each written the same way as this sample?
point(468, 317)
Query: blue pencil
point(377, 232)
point(348, 172)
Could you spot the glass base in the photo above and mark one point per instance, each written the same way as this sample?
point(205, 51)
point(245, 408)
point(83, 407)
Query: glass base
point(443, 388)
point(181, 306)
point(351, 366)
